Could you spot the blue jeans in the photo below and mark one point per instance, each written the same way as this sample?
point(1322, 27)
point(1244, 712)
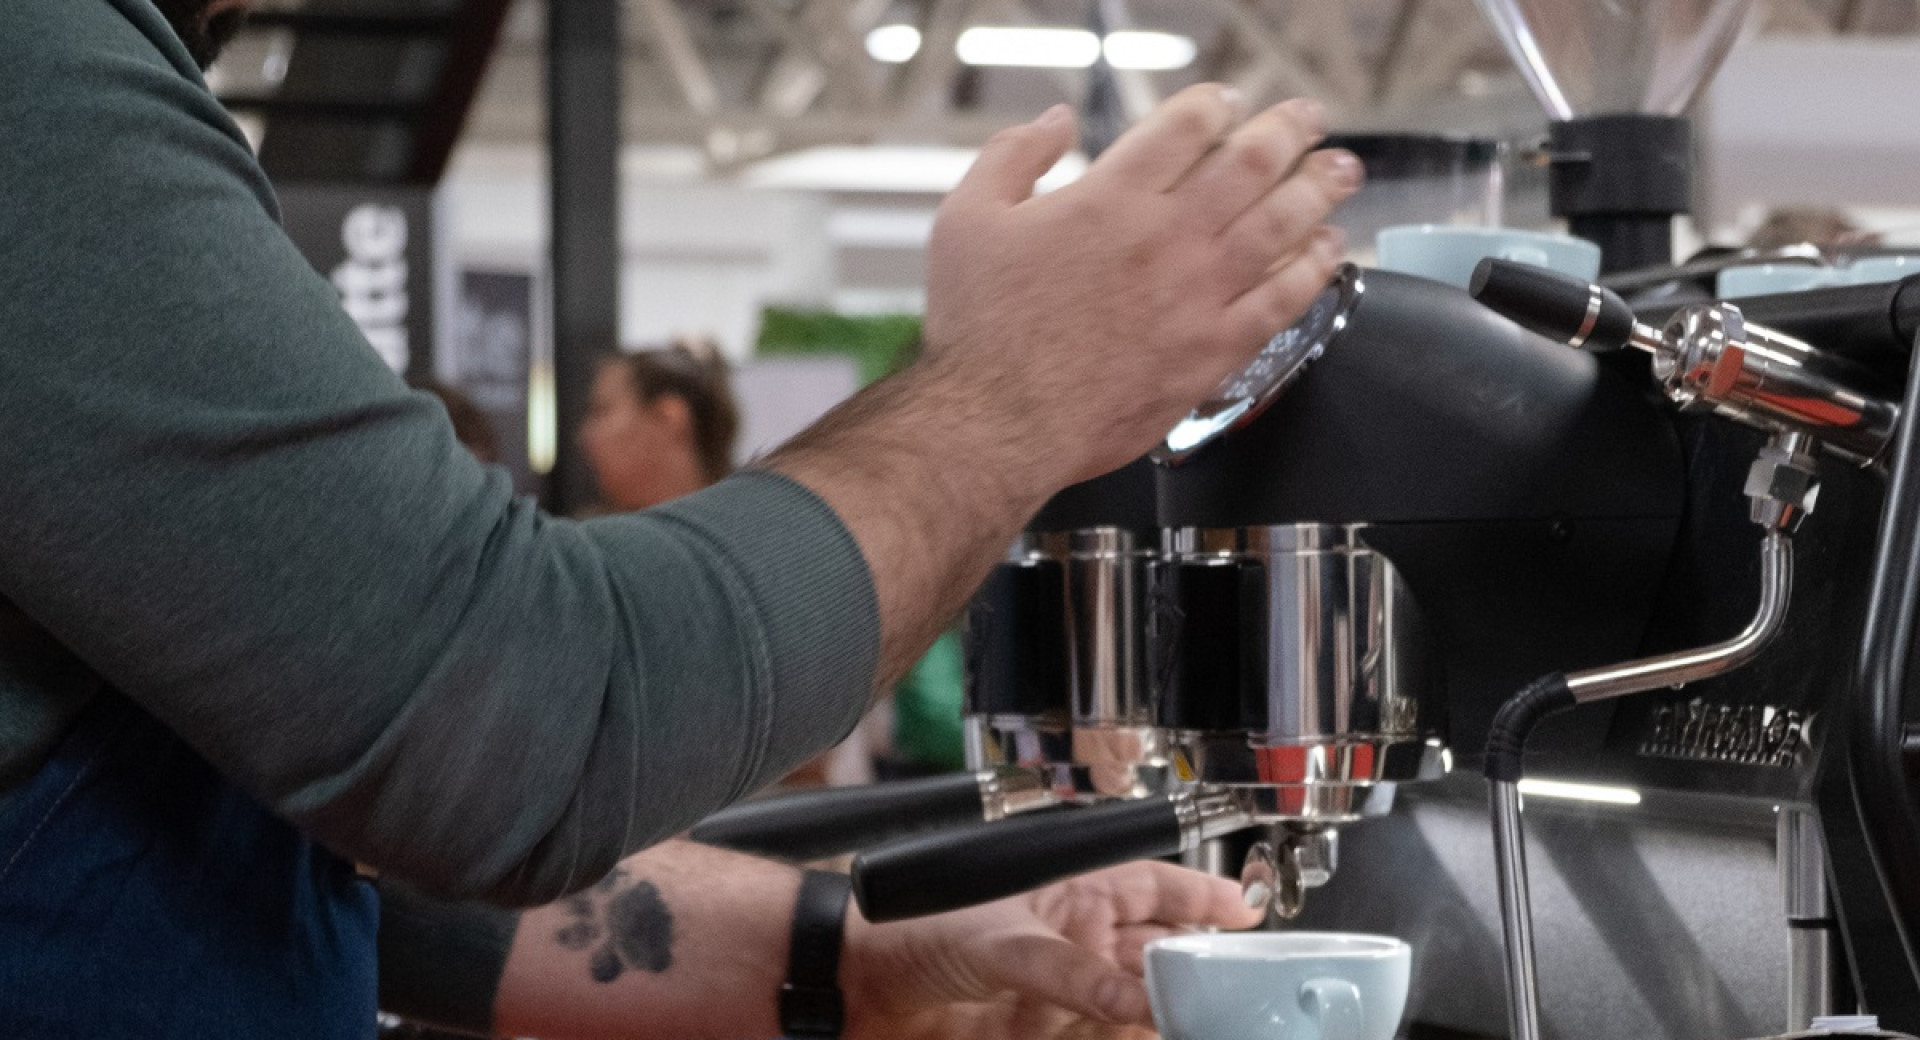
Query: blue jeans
point(142, 895)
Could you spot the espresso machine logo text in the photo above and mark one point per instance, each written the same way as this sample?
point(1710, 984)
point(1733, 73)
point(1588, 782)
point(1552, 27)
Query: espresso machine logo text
point(1743, 734)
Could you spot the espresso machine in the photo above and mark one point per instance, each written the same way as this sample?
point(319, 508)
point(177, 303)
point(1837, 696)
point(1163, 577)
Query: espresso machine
point(1650, 568)
point(1727, 848)
point(1331, 581)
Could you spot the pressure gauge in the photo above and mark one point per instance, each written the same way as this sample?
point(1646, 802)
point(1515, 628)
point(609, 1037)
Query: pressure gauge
point(1242, 396)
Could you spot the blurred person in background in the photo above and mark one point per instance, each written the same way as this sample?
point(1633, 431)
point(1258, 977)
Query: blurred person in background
point(1826, 227)
point(660, 424)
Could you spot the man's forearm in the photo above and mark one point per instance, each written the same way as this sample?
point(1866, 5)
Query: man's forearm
point(932, 489)
point(685, 942)
point(680, 941)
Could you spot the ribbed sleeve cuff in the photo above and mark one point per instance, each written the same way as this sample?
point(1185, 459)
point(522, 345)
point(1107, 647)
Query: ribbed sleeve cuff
point(815, 597)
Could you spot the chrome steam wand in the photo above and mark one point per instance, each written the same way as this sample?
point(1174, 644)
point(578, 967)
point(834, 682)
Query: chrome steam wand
point(1707, 357)
point(1782, 489)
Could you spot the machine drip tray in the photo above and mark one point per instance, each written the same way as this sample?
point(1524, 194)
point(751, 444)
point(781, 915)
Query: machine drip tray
point(1650, 920)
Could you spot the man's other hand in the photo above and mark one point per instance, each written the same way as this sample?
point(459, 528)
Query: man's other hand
point(1062, 961)
point(1090, 319)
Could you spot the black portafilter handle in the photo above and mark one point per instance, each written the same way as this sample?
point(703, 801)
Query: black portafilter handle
point(1561, 308)
point(953, 869)
point(832, 821)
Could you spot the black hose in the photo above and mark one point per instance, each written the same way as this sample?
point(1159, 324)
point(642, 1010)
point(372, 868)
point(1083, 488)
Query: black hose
point(1507, 740)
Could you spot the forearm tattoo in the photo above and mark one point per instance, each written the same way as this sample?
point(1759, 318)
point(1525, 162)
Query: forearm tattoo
point(626, 926)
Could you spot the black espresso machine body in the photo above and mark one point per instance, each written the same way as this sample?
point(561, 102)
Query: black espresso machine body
point(1439, 505)
point(1534, 509)
point(1539, 511)
point(1737, 884)
point(1530, 498)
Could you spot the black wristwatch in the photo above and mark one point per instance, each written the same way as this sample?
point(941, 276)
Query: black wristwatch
point(811, 1007)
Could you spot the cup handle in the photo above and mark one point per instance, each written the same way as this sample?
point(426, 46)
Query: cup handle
point(1334, 1005)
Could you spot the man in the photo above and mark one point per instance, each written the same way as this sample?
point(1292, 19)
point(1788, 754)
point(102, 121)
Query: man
point(261, 616)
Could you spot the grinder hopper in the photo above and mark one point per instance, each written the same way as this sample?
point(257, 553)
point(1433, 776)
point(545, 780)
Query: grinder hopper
point(1584, 58)
point(1615, 76)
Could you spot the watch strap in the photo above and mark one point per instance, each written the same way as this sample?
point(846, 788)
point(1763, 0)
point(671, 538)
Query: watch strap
point(811, 1006)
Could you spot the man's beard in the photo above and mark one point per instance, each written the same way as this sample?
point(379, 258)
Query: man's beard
point(204, 34)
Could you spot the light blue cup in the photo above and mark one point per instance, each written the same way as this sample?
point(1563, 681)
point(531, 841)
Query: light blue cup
point(1869, 269)
point(1767, 279)
point(1449, 254)
point(1277, 986)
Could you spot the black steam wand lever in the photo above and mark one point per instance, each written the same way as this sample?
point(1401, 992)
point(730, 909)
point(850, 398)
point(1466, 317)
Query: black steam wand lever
point(1781, 488)
point(953, 869)
point(1707, 357)
point(817, 824)
point(1563, 309)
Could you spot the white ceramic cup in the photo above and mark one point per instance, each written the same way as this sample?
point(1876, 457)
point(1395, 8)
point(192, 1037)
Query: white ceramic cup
point(1277, 986)
point(1446, 253)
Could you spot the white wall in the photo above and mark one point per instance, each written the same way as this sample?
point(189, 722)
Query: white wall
point(696, 258)
point(1813, 121)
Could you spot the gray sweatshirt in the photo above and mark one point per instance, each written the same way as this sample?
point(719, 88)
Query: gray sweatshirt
point(218, 501)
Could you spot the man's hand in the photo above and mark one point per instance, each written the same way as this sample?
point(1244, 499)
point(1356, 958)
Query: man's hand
point(1062, 961)
point(1066, 333)
point(1091, 319)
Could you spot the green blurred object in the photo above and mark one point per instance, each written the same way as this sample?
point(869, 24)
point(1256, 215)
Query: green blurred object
point(926, 709)
point(879, 343)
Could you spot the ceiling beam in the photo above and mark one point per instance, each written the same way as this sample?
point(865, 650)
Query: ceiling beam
point(1276, 68)
point(1453, 39)
point(927, 74)
point(1325, 31)
point(1139, 94)
point(823, 44)
point(683, 58)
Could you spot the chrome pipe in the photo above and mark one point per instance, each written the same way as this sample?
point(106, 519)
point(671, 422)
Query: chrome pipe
point(1516, 912)
point(1709, 357)
point(1802, 853)
point(1010, 789)
point(1685, 666)
point(1810, 971)
point(1206, 813)
point(1595, 684)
